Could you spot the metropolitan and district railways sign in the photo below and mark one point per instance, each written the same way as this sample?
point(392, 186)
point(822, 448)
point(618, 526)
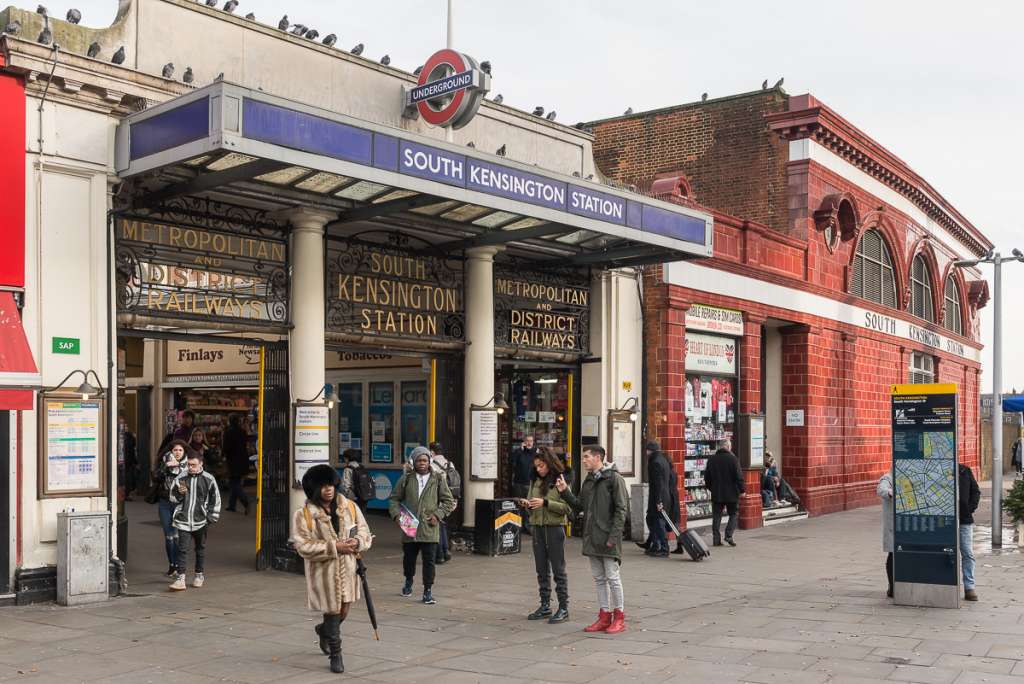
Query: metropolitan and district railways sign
point(383, 291)
point(175, 271)
point(542, 311)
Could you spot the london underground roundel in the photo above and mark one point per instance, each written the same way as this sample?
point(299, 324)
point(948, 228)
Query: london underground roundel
point(450, 88)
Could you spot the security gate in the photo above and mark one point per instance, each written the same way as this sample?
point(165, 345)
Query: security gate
point(272, 549)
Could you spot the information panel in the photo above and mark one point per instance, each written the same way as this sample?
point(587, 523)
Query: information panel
point(72, 442)
point(483, 444)
point(312, 438)
point(924, 449)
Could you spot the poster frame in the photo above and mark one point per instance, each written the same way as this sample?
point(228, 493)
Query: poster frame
point(616, 417)
point(475, 462)
point(43, 490)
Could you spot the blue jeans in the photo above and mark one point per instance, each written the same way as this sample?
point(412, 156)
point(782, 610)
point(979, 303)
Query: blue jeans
point(967, 554)
point(170, 533)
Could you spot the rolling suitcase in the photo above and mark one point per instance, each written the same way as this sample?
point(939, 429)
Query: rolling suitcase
point(689, 540)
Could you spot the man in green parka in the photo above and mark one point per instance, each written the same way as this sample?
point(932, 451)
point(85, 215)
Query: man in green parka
point(425, 494)
point(604, 503)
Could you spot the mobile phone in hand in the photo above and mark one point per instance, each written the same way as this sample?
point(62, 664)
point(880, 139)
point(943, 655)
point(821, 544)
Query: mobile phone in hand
point(352, 531)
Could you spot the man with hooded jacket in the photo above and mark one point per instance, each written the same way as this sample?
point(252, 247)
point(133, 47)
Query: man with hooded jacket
point(328, 531)
point(604, 503)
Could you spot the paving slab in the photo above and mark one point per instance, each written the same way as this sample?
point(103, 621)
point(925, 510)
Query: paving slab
point(799, 603)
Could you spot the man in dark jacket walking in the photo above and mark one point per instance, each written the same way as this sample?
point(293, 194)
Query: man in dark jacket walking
point(724, 480)
point(659, 499)
point(969, 497)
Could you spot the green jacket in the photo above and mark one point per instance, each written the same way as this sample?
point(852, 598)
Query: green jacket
point(554, 510)
point(604, 502)
point(437, 500)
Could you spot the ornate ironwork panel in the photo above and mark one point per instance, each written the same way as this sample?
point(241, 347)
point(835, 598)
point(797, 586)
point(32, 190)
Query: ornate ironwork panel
point(202, 269)
point(275, 517)
point(543, 310)
point(387, 290)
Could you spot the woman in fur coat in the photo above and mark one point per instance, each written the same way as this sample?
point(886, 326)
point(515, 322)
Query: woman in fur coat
point(329, 530)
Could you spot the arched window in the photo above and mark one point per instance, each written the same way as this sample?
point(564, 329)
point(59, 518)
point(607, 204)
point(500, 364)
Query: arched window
point(921, 302)
point(873, 277)
point(952, 320)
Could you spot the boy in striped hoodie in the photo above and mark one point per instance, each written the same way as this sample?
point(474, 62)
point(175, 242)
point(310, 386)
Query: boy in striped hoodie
point(197, 498)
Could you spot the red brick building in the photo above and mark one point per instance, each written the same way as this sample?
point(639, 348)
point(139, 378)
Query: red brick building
point(832, 279)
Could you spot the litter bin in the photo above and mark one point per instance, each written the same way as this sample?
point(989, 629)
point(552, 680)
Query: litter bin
point(499, 527)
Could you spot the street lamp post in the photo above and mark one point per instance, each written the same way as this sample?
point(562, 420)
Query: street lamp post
point(994, 258)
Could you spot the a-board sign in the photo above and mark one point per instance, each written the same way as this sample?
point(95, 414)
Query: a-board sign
point(926, 534)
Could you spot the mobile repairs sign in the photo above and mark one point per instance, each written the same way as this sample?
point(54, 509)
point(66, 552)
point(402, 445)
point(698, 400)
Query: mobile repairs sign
point(924, 451)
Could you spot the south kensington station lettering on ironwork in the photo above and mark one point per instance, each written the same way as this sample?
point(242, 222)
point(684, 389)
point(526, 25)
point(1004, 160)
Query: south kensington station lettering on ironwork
point(383, 292)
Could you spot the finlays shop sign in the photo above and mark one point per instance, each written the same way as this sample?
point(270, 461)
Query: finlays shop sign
point(714, 319)
point(710, 354)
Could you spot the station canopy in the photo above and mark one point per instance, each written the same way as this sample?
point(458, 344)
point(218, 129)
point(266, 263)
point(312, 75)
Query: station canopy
point(226, 143)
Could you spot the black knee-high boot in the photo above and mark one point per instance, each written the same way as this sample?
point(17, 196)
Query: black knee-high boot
point(332, 627)
point(322, 637)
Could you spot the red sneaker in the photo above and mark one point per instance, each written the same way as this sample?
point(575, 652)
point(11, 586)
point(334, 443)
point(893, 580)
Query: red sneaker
point(618, 623)
point(604, 618)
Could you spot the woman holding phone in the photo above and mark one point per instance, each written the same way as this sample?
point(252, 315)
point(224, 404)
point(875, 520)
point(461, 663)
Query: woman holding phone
point(548, 513)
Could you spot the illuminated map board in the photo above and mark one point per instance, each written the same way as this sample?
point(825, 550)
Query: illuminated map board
point(924, 487)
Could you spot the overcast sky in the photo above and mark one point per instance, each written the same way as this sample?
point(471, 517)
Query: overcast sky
point(938, 83)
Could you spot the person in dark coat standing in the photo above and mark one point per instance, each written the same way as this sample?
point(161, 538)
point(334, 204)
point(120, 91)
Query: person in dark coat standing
point(969, 498)
point(236, 452)
point(521, 460)
point(659, 499)
point(724, 479)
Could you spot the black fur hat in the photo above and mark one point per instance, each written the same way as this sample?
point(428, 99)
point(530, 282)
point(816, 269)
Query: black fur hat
point(316, 477)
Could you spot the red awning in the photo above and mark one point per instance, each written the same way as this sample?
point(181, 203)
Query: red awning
point(17, 367)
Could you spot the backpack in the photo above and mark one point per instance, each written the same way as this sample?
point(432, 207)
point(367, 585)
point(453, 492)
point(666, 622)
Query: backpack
point(454, 480)
point(362, 485)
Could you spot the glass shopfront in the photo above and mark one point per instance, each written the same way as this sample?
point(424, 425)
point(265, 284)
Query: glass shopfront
point(710, 404)
point(540, 404)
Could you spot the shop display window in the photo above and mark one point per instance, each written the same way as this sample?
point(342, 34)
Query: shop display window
point(382, 420)
point(350, 416)
point(710, 416)
point(414, 415)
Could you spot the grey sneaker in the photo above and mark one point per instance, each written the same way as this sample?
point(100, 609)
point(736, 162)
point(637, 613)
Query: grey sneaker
point(200, 578)
point(178, 584)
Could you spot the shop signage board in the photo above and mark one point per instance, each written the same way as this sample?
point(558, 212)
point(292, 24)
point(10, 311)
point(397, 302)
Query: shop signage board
point(382, 291)
point(72, 446)
point(710, 354)
point(483, 445)
point(312, 437)
point(714, 320)
point(449, 90)
point(67, 345)
point(926, 529)
point(209, 358)
point(176, 271)
point(542, 310)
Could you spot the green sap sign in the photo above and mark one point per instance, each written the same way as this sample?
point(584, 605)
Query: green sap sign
point(67, 345)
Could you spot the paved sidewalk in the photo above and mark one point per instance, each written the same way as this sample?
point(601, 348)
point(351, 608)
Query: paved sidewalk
point(796, 603)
